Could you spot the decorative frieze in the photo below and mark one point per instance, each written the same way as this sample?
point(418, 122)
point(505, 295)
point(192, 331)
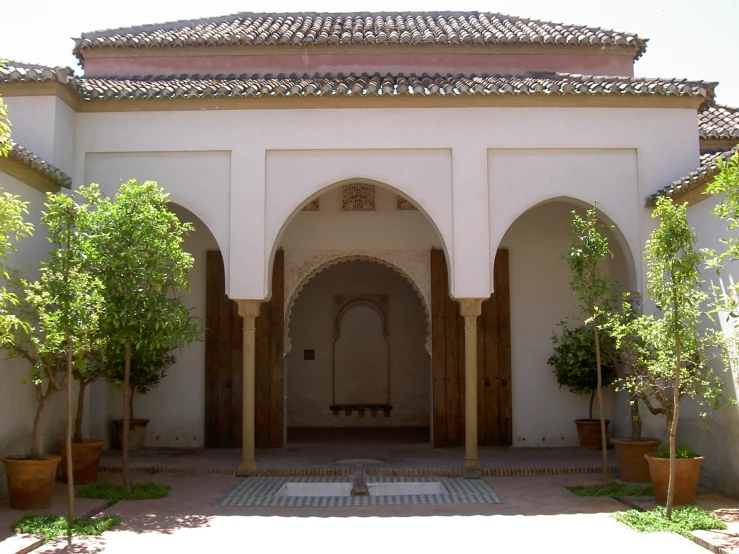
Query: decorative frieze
point(312, 206)
point(358, 197)
point(404, 204)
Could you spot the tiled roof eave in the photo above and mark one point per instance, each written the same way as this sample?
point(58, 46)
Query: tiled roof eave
point(244, 86)
point(357, 29)
point(701, 176)
point(30, 160)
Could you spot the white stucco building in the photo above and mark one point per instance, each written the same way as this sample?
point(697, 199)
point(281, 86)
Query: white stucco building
point(362, 183)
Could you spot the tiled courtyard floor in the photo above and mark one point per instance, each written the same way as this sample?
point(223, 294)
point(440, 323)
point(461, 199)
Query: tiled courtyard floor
point(540, 515)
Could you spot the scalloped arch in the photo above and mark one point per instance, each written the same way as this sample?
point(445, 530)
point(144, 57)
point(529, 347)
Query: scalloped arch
point(413, 266)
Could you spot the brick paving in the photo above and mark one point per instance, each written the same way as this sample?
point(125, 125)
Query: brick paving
point(396, 459)
point(539, 515)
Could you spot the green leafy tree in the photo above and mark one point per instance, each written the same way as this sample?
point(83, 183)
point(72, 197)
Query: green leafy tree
point(726, 186)
point(139, 256)
point(12, 228)
point(64, 305)
point(672, 349)
point(588, 251)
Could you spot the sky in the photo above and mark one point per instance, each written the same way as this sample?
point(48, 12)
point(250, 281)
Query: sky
point(688, 39)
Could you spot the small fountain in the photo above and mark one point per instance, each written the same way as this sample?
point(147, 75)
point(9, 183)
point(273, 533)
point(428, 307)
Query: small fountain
point(359, 487)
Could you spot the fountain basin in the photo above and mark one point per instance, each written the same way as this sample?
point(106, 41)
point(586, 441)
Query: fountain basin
point(375, 489)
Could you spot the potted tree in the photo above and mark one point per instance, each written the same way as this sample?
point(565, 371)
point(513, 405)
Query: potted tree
point(674, 348)
point(147, 370)
point(138, 241)
point(62, 307)
point(633, 376)
point(575, 367)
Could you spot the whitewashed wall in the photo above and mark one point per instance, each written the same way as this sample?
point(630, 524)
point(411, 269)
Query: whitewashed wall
point(543, 413)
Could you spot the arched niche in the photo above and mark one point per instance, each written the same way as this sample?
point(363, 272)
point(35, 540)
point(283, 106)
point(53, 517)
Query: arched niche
point(413, 266)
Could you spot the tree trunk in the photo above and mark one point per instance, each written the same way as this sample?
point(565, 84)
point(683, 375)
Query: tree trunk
point(130, 403)
point(592, 397)
point(80, 411)
point(68, 440)
point(37, 447)
point(673, 431)
point(126, 414)
point(603, 439)
point(635, 420)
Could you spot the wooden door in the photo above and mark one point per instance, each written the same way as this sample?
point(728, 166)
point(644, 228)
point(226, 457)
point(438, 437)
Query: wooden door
point(493, 359)
point(223, 362)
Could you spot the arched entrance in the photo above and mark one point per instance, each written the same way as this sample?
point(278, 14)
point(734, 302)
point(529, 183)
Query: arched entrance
point(358, 368)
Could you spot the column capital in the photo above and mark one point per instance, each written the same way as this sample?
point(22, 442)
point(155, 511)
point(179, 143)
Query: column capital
point(470, 307)
point(248, 309)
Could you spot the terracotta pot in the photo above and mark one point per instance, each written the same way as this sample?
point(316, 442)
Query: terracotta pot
point(30, 482)
point(632, 465)
point(687, 475)
point(136, 433)
point(588, 430)
point(85, 460)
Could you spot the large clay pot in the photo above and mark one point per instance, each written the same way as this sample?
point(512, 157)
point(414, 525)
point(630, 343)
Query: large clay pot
point(136, 433)
point(30, 482)
point(85, 460)
point(588, 431)
point(687, 475)
point(632, 465)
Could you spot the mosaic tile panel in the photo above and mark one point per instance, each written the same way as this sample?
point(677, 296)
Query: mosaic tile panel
point(260, 491)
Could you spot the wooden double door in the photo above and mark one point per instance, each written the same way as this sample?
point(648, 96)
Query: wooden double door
point(223, 354)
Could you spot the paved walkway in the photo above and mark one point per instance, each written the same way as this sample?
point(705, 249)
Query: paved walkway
point(395, 459)
point(540, 516)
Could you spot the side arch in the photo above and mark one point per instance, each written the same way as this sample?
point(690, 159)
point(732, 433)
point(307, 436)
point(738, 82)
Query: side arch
point(626, 238)
point(413, 266)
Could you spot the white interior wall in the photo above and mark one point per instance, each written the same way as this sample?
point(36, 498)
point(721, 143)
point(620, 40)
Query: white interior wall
point(17, 400)
point(543, 413)
point(309, 382)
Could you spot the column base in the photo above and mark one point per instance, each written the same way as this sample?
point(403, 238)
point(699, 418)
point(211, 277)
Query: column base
point(247, 468)
point(471, 469)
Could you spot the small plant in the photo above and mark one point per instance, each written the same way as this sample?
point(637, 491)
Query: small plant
point(51, 527)
point(682, 450)
point(574, 361)
point(685, 520)
point(613, 490)
point(115, 493)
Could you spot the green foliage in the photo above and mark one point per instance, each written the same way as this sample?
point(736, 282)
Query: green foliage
point(63, 306)
point(139, 258)
point(51, 527)
point(574, 359)
point(116, 493)
point(682, 450)
point(684, 520)
point(657, 343)
point(613, 490)
point(589, 281)
point(4, 124)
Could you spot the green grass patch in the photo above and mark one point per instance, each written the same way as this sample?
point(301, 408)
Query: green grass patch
point(116, 493)
point(613, 490)
point(51, 527)
point(685, 520)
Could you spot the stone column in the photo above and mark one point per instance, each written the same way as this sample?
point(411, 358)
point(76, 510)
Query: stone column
point(470, 309)
point(249, 311)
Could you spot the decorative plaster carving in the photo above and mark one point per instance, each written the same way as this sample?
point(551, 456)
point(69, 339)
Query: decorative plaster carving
point(358, 197)
point(314, 206)
point(404, 204)
point(413, 265)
